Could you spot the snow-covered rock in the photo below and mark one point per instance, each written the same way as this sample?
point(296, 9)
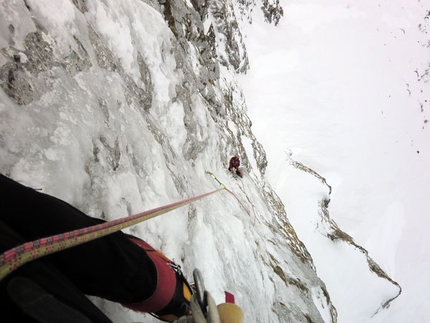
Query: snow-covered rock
point(121, 106)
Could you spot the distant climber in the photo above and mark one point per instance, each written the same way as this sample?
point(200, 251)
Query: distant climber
point(234, 166)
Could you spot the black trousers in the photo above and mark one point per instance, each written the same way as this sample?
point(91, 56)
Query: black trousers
point(111, 267)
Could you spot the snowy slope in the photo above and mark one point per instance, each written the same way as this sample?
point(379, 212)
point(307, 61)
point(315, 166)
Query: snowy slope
point(342, 88)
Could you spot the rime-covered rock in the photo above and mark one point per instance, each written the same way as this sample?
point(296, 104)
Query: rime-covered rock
point(114, 105)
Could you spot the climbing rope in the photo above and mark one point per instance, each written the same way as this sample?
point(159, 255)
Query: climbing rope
point(234, 195)
point(18, 256)
point(242, 188)
point(215, 178)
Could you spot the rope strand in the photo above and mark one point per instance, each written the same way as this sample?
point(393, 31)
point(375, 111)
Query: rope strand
point(234, 195)
point(18, 256)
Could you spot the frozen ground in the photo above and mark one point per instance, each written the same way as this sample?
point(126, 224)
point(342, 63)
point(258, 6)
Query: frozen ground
point(342, 87)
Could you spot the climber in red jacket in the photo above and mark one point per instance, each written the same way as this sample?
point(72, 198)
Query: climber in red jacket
point(117, 267)
point(234, 165)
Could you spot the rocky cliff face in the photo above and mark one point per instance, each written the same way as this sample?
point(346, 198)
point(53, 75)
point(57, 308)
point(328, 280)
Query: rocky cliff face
point(117, 107)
